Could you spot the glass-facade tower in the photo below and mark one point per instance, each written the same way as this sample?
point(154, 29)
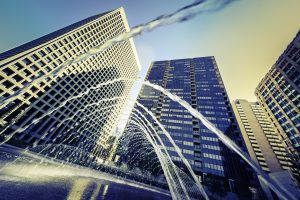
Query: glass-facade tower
point(197, 81)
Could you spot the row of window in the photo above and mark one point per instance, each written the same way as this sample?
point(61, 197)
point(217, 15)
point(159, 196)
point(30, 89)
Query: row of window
point(212, 156)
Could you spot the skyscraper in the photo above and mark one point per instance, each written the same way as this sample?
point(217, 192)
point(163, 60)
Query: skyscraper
point(265, 145)
point(197, 81)
point(72, 106)
point(263, 142)
point(279, 94)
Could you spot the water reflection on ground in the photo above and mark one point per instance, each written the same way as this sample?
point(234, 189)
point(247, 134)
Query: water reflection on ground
point(72, 188)
point(24, 176)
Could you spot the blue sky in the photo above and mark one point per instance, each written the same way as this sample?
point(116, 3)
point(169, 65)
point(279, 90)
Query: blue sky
point(246, 38)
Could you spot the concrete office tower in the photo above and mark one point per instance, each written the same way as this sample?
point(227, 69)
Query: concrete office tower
point(265, 145)
point(197, 81)
point(263, 142)
point(279, 94)
point(86, 121)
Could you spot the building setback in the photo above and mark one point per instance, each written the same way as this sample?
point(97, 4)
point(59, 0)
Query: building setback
point(86, 121)
point(279, 94)
point(197, 81)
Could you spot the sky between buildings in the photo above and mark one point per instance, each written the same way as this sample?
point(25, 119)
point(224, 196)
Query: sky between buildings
point(246, 37)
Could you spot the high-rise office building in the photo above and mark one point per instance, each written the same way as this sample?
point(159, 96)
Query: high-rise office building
point(265, 145)
point(263, 142)
point(197, 81)
point(72, 107)
point(279, 94)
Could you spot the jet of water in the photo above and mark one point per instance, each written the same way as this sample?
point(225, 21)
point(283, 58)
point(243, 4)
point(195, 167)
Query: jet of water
point(143, 119)
point(35, 121)
point(170, 179)
point(187, 164)
point(62, 104)
point(160, 141)
point(178, 187)
point(278, 189)
point(183, 14)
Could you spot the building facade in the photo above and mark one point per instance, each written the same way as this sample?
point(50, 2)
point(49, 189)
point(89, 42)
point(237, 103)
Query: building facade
point(279, 94)
point(263, 142)
point(72, 106)
point(197, 81)
point(265, 146)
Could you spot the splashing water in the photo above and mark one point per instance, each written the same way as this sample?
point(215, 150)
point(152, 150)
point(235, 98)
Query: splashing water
point(183, 14)
point(187, 164)
point(180, 184)
point(170, 160)
point(35, 121)
point(278, 189)
point(80, 95)
point(168, 175)
point(50, 147)
point(176, 184)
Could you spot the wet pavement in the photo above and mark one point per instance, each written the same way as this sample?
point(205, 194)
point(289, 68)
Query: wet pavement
point(26, 178)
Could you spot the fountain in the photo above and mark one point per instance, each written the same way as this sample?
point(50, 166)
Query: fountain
point(182, 185)
point(81, 164)
point(278, 189)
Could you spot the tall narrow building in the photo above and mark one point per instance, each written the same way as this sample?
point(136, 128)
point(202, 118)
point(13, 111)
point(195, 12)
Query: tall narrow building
point(263, 142)
point(265, 145)
point(197, 81)
point(279, 94)
point(42, 103)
